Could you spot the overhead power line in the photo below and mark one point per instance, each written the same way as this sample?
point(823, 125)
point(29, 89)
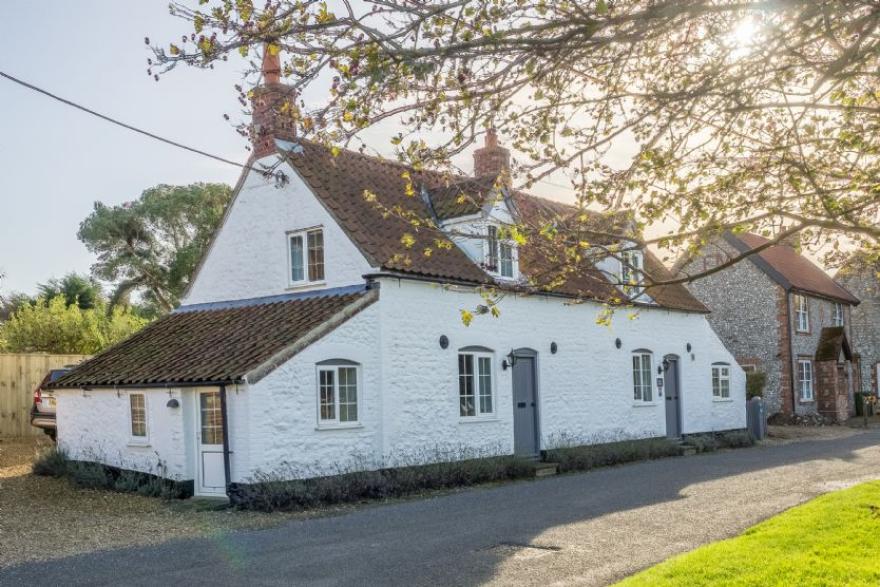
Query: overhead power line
point(125, 125)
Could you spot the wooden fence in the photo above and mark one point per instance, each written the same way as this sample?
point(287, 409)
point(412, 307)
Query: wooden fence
point(19, 375)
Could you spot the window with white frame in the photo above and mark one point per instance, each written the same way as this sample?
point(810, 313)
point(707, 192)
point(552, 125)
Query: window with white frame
point(805, 379)
point(338, 392)
point(631, 266)
point(802, 313)
point(306, 256)
point(500, 256)
point(137, 406)
point(475, 387)
point(837, 317)
point(643, 387)
point(721, 381)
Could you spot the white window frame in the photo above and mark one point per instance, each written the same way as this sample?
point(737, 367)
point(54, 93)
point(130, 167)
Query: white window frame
point(499, 244)
point(133, 438)
point(720, 377)
point(802, 313)
point(335, 366)
point(838, 317)
point(307, 278)
point(631, 271)
point(482, 360)
point(639, 388)
point(806, 385)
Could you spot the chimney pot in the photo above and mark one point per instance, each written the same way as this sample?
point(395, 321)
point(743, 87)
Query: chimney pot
point(273, 105)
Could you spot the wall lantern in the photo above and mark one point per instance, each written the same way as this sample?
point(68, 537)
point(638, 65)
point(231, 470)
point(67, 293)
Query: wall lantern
point(618, 343)
point(689, 347)
point(444, 342)
point(510, 361)
point(554, 347)
point(173, 403)
point(665, 365)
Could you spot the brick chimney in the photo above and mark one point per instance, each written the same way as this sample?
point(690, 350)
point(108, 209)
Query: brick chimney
point(492, 160)
point(273, 105)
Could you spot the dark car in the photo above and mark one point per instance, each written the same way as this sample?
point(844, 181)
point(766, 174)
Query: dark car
point(43, 410)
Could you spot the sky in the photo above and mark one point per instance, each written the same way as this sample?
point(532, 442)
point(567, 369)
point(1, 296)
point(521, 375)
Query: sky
point(55, 162)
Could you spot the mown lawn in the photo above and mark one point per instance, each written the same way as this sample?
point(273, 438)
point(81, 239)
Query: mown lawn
point(832, 540)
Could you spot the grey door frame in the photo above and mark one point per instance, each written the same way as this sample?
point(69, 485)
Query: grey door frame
point(531, 354)
point(677, 360)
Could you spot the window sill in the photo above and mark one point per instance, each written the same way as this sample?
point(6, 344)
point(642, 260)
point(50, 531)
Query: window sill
point(139, 443)
point(650, 404)
point(722, 400)
point(331, 427)
point(806, 401)
point(304, 285)
point(477, 419)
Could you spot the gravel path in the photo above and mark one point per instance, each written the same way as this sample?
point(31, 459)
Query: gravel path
point(583, 529)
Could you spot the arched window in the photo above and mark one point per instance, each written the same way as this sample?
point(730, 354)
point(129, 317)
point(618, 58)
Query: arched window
point(476, 386)
point(643, 376)
point(338, 392)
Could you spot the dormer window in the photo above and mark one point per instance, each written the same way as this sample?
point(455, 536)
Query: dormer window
point(500, 258)
point(631, 265)
point(306, 256)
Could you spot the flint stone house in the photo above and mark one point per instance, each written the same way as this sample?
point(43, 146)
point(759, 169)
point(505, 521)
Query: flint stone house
point(311, 335)
point(779, 313)
point(863, 282)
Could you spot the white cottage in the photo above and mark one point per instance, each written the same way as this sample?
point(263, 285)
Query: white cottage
point(312, 338)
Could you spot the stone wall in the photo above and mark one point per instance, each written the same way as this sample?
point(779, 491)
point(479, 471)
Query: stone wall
point(866, 324)
point(746, 311)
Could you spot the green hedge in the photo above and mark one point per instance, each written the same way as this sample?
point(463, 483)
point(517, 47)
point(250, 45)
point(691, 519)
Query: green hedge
point(583, 458)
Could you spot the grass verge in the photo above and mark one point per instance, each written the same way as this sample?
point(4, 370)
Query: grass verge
point(831, 540)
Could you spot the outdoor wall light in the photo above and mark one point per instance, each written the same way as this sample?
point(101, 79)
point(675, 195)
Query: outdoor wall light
point(444, 342)
point(689, 347)
point(510, 361)
point(554, 347)
point(173, 403)
point(618, 343)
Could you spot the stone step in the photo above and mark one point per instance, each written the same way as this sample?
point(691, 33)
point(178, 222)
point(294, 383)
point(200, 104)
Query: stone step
point(546, 469)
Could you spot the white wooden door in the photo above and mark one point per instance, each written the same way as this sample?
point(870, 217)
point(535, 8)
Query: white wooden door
point(209, 432)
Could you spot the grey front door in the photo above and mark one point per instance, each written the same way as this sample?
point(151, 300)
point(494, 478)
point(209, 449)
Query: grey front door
point(525, 408)
point(673, 401)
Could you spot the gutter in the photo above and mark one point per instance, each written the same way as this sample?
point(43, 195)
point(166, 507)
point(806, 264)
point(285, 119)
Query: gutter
point(516, 290)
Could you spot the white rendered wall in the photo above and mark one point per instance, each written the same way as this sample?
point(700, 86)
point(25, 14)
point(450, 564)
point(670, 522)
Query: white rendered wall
point(249, 256)
point(283, 421)
point(409, 392)
point(94, 425)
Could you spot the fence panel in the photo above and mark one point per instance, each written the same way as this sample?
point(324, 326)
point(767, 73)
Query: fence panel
point(19, 375)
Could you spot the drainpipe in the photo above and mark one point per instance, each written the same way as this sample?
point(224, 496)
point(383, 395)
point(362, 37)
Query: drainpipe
point(223, 414)
point(791, 358)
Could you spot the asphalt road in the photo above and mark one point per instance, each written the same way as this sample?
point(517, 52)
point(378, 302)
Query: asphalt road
point(584, 529)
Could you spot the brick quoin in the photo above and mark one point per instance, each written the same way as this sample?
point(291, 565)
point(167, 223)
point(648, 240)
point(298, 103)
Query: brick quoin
point(785, 379)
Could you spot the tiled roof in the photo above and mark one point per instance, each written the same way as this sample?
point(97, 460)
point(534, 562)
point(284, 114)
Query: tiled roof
point(216, 342)
point(792, 270)
point(340, 182)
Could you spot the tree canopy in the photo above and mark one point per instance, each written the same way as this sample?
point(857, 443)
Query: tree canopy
point(54, 326)
point(74, 289)
point(699, 116)
point(153, 244)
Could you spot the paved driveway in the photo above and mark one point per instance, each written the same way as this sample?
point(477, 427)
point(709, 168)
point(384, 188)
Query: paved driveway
point(585, 529)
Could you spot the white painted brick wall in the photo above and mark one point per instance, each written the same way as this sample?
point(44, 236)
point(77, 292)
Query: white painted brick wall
point(249, 257)
point(94, 426)
point(409, 400)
